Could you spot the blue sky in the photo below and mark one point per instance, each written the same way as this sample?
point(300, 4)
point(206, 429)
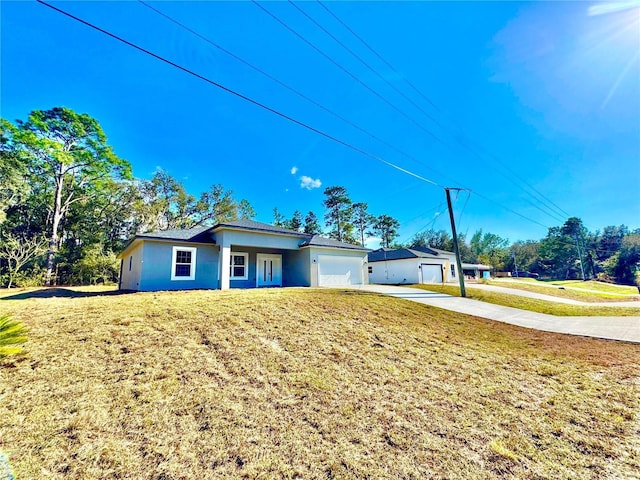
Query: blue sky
point(533, 106)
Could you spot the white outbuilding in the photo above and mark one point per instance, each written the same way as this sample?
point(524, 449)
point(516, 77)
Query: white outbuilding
point(412, 265)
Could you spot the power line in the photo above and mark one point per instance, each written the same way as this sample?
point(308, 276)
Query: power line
point(463, 207)
point(325, 108)
point(431, 223)
point(290, 88)
point(361, 60)
point(321, 52)
point(354, 77)
point(265, 107)
point(550, 205)
point(242, 96)
point(378, 55)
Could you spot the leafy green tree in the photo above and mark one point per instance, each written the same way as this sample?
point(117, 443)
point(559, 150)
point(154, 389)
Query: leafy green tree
point(339, 212)
point(439, 239)
point(562, 251)
point(490, 249)
point(164, 204)
point(245, 210)
point(311, 225)
point(525, 255)
point(362, 219)
point(69, 152)
point(386, 227)
point(13, 174)
point(12, 334)
point(278, 218)
point(609, 242)
point(18, 252)
point(217, 205)
point(96, 266)
point(296, 222)
point(626, 269)
point(558, 256)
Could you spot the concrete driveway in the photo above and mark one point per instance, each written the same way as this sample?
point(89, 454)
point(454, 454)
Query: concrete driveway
point(613, 328)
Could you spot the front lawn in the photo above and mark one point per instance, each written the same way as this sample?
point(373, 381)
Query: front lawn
point(304, 383)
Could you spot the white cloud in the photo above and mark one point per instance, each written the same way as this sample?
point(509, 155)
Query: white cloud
point(294, 170)
point(309, 183)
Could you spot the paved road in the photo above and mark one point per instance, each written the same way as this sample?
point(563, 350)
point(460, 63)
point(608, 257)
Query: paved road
point(551, 298)
point(613, 328)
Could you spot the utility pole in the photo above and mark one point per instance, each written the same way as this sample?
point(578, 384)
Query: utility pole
point(580, 258)
point(463, 292)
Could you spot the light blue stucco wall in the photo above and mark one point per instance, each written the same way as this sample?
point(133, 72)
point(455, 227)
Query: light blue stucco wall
point(257, 239)
point(156, 267)
point(130, 277)
point(299, 266)
point(297, 272)
point(295, 266)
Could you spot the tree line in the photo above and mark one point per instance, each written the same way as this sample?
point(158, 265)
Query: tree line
point(567, 252)
point(68, 204)
point(345, 220)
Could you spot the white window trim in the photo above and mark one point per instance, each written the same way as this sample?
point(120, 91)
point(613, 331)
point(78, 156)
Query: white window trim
point(174, 256)
point(246, 266)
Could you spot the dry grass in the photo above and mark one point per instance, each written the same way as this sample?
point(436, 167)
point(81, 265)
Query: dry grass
point(306, 383)
point(533, 304)
point(590, 291)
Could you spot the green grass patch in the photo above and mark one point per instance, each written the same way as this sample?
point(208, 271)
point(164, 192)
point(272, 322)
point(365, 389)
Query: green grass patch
point(590, 292)
point(304, 383)
point(533, 304)
point(593, 285)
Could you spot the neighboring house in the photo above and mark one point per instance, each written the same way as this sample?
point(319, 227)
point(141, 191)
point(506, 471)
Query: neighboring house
point(412, 265)
point(238, 254)
point(476, 270)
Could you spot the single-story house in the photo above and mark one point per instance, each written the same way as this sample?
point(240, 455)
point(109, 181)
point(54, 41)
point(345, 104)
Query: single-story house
point(238, 254)
point(476, 270)
point(412, 265)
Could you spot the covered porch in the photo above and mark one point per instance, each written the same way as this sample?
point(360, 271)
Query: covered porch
point(249, 260)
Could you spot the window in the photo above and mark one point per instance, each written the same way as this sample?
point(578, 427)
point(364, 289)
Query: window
point(130, 262)
point(370, 269)
point(239, 269)
point(183, 265)
point(453, 270)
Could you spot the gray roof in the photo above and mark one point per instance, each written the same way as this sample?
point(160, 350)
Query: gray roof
point(383, 254)
point(429, 250)
point(203, 234)
point(479, 266)
point(257, 226)
point(318, 241)
point(438, 251)
point(197, 234)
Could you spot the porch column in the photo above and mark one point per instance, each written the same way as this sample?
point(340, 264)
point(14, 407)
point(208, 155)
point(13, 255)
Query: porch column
point(225, 264)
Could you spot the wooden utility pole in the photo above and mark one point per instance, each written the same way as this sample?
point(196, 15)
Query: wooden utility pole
point(463, 292)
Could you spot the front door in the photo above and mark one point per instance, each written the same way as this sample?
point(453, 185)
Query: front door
point(269, 270)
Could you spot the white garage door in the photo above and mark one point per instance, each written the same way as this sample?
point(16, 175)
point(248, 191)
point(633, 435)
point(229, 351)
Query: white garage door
point(431, 273)
point(335, 270)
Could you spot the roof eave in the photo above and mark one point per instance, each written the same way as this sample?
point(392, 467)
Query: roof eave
point(261, 230)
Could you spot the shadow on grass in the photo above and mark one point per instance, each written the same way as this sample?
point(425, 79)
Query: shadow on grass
point(58, 292)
